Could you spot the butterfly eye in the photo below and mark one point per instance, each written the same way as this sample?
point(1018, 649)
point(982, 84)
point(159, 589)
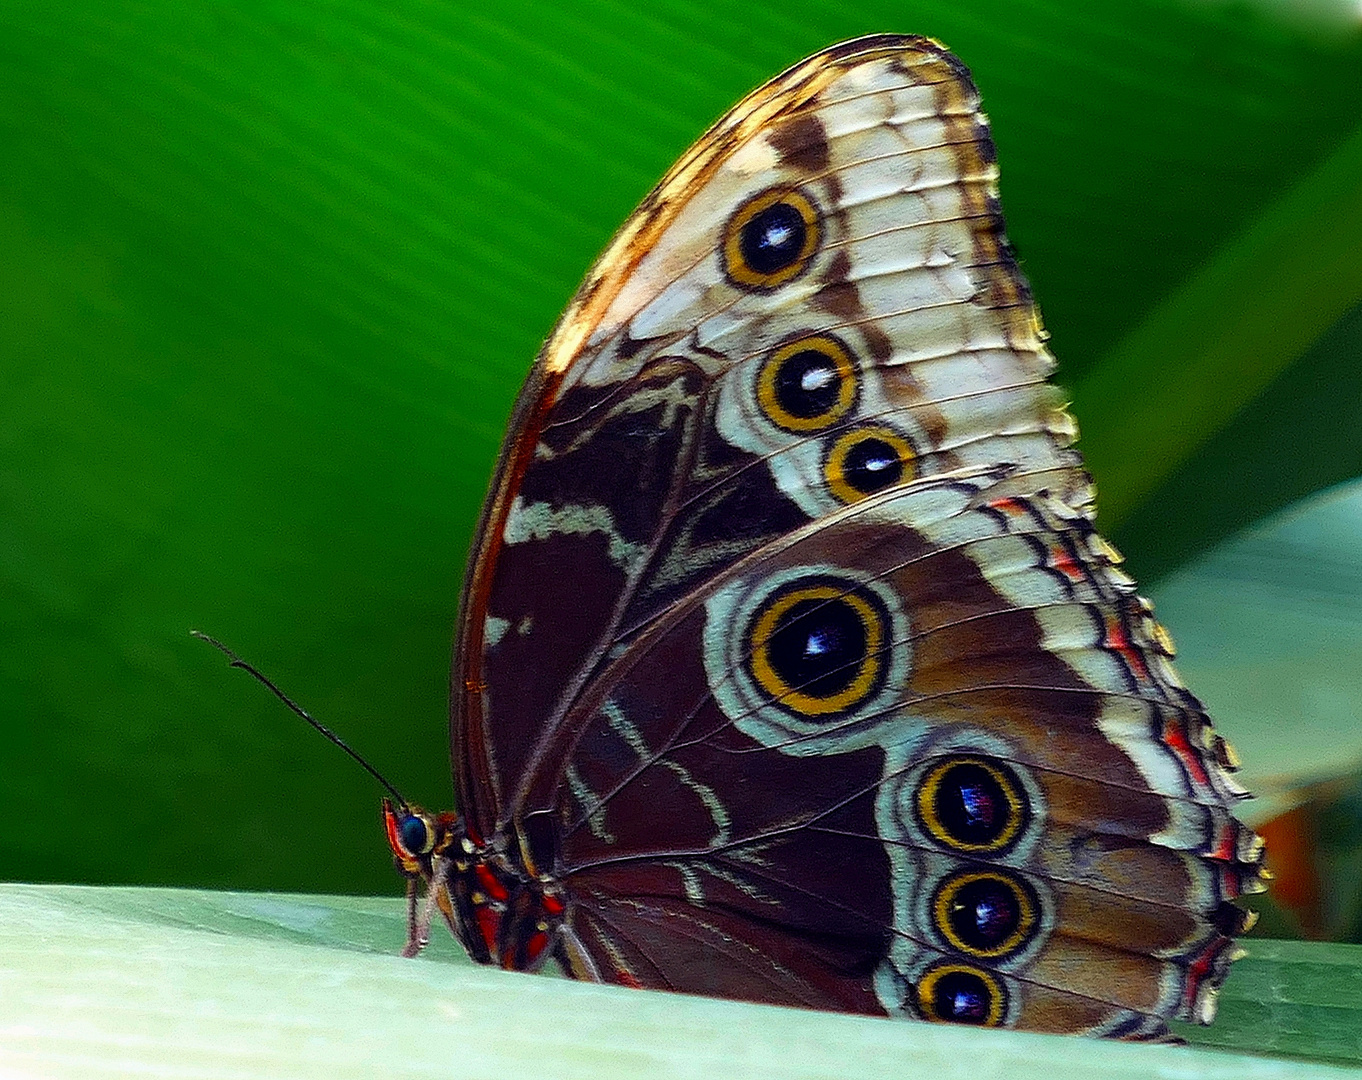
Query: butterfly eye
point(985, 913)
point(808, 384)
point(416, 835)
point(960, 994)
point(867, 460)
point(815, 648)
point(971, 805)
point(770, 240)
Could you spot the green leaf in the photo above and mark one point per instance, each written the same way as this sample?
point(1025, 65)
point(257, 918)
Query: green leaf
point(1212, 346)
point(270, 273)
point(118, 982)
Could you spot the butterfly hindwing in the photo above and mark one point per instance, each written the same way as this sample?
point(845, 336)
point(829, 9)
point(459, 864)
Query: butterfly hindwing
point(782, 761)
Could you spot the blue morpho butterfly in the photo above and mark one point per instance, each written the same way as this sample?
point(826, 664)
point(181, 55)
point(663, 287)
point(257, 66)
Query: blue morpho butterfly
point(790, 666)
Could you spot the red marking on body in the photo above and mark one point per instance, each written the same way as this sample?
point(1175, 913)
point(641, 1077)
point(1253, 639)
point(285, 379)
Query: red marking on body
point(628, 978)
point(553, 905)
point(489, 923)
point(1176, 740)
point(539, 941)
point(394, 840)
point(488, 880)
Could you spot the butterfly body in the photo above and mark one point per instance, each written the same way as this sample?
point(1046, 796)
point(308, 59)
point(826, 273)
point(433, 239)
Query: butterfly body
point(791, 667)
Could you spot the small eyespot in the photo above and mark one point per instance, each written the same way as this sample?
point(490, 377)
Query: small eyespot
point(961, 994)
point(416, 835)
point(815, 646)
point(808, 384)
point(972, 805)
point(866, 460)
point(770, 239)
point(985, 913)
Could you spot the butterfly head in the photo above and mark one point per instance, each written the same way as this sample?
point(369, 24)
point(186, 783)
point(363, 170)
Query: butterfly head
point(417, 838)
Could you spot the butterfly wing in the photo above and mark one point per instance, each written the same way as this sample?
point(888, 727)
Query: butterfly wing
point(808, 340)
point(643, 455)
point(926, 756)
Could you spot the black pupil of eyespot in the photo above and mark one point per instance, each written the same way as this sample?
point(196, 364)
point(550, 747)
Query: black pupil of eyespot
point(808, 384)
point(985, 913)
point(818, 646)
point(963, 997)
point(414, 835)
point(773, 239)
point(972, 805)
point(872, 465)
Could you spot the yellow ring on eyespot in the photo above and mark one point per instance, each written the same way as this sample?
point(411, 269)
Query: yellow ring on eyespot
point(841, 362)
point(768, 622)
point(945, 897)
point(926, 806)
point(834, 467)
point(926, 992)
point(735, 264)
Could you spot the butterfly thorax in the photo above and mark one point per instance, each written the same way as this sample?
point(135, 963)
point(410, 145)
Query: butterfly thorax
point(501, 911)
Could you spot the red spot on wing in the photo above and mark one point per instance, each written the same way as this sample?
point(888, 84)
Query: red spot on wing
point(1201, 966)
point(627, 978)
point(1118, 641)
point(1066, 564)
point(1175, 738)
point(1009, 505)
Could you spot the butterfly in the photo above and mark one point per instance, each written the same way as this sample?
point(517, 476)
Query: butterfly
point(791, 667)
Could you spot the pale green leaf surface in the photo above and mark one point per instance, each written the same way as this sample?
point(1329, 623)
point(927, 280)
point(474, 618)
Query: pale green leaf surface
point(123, 982)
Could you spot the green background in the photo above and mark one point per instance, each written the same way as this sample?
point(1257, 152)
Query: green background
point(271, 273)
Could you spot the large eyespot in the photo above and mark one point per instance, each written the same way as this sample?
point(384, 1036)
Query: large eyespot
point(770, 240)
point(985, 913)
point(971, 804)
point(815, 646)
point(961, 994)
point(866, 460)
point(807, 385)
point(416, 834)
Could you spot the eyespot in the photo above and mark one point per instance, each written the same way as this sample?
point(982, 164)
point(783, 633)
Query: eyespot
point(815, 646)
point(985, 913)
point(961, 994)
point(770, 240)
point(866, 460)
point(808, 384)
point(416, 835)
point(972, 805)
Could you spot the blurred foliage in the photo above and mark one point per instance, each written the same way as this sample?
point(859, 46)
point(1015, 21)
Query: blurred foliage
point(270, 275)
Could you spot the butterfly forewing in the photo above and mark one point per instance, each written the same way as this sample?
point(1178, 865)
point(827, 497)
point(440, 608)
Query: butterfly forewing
point(789, 654)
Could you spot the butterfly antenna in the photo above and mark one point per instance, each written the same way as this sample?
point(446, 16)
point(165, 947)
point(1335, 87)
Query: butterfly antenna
point(237, 662)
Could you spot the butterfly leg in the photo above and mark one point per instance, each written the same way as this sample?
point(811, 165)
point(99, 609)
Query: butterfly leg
point(416, 939)
point(437, 894)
